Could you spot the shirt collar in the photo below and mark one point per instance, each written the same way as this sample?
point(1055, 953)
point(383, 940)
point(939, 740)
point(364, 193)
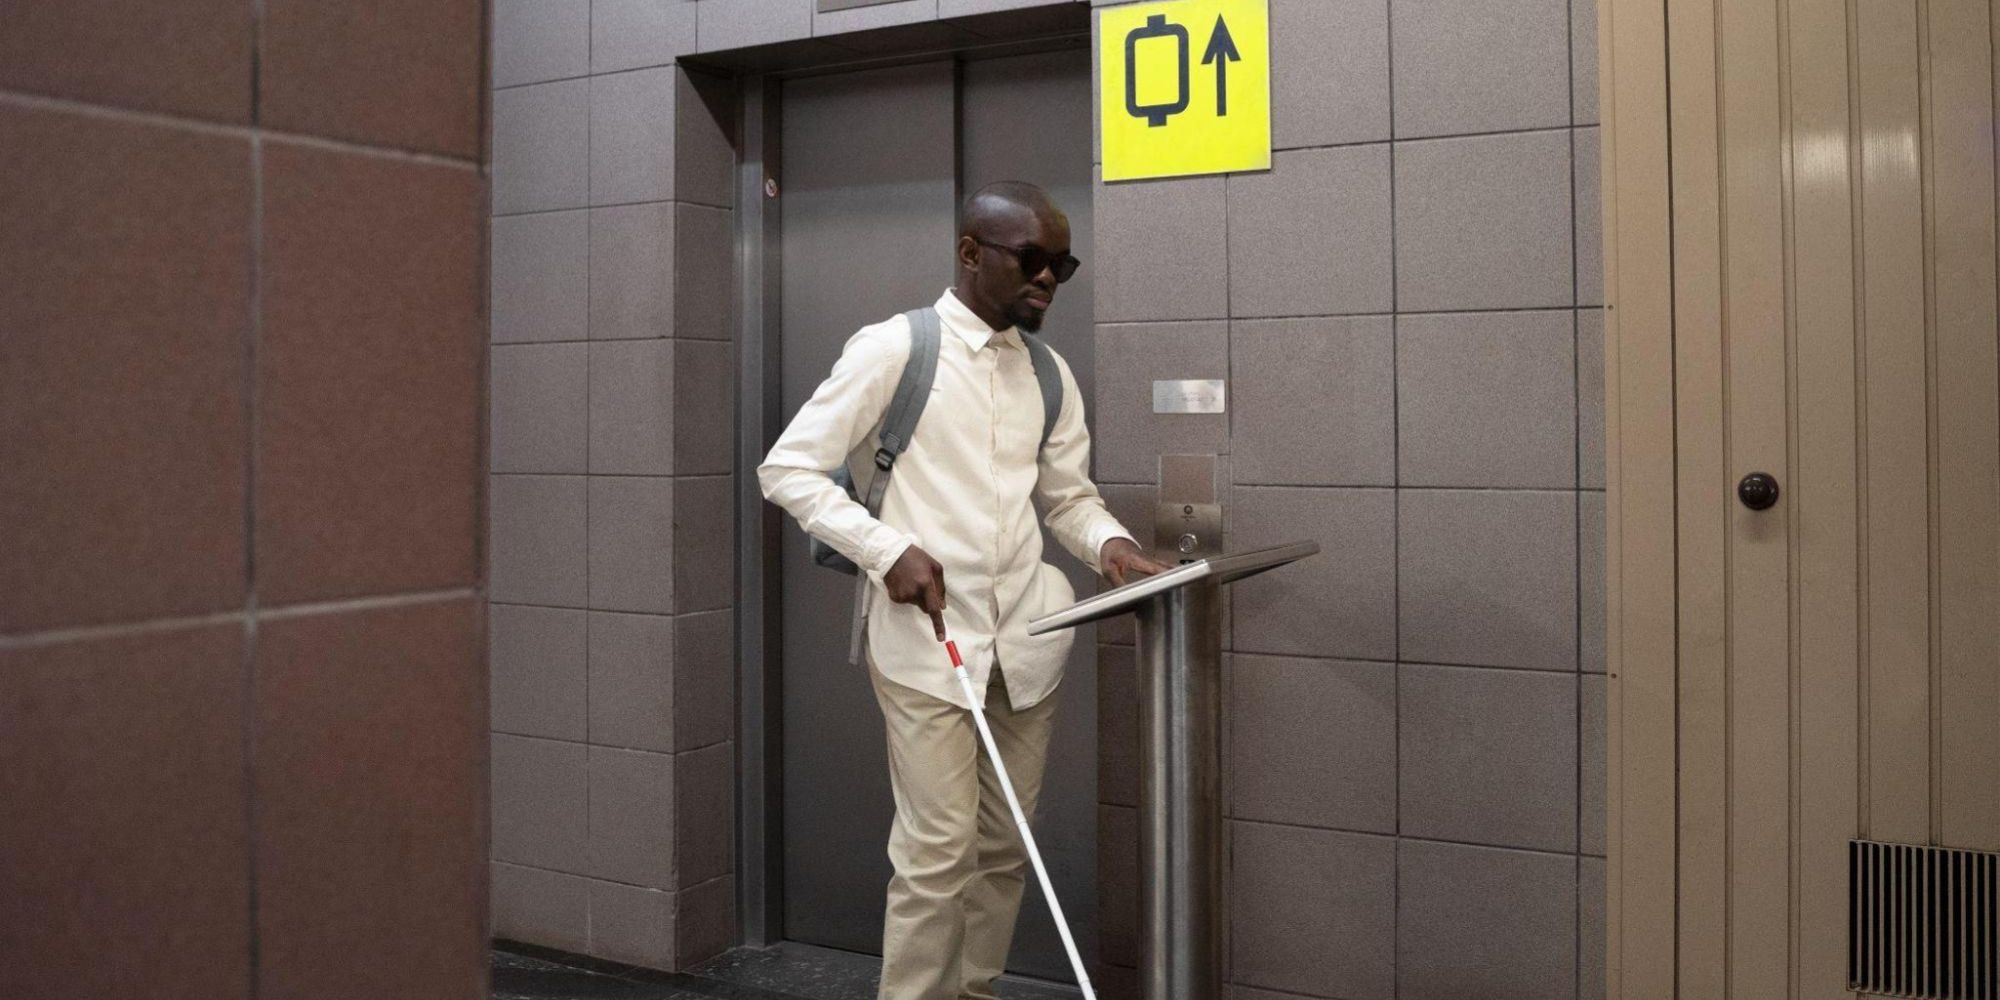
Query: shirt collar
point(961, 320)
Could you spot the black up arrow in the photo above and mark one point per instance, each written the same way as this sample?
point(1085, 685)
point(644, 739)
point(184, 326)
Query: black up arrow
point(1221, 52)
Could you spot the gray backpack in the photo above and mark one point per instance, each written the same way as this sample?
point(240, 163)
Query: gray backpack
point(899, 424)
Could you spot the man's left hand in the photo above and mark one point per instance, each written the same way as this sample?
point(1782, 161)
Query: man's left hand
point(1123, 561)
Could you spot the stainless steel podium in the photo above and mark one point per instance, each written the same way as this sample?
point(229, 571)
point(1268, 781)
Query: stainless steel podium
point(1180, 807)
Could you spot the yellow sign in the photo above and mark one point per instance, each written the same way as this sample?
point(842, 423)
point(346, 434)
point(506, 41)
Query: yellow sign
point(1186, 87)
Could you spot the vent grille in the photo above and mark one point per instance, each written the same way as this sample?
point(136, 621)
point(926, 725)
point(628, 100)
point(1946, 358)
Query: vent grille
point(1922, 922)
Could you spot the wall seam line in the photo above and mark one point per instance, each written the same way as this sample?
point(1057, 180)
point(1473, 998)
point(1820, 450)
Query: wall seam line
point(1395, 523)
point(589, 216)
point(254, 130)
point(251, 333)
point(1576, 511)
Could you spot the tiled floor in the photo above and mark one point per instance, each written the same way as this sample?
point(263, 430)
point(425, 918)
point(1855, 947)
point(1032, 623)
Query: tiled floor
point(787, 971)
point(521, 977)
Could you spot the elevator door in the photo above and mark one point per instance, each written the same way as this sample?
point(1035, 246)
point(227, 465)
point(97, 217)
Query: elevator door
point(874, 163)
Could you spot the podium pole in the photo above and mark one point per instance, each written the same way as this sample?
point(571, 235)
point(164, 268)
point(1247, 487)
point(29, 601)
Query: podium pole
point(1181, 833)
point(1182, 839)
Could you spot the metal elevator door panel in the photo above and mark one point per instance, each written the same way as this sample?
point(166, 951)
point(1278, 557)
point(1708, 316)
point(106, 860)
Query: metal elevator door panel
point(874, 163)
point(867, 217)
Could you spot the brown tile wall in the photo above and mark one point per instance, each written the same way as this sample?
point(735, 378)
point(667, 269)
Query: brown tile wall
point(242, 616)
point(612, 473)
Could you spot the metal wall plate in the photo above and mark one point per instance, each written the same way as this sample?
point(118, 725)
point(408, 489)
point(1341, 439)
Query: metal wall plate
point(1185, 532)
point(1187, 523)
point(1188, 395)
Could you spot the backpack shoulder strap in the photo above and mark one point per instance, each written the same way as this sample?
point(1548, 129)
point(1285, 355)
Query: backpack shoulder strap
point(913, 390)
point(1049, 376)
point(899, 423)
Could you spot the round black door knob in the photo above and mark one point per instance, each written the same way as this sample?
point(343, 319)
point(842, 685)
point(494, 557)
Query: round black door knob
point(1758, 491)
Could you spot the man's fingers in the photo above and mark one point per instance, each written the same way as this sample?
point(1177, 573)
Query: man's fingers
point(934, 599)
point(1116, 571)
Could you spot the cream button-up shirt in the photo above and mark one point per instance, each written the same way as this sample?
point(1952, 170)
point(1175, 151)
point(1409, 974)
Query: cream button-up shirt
point(965, 491)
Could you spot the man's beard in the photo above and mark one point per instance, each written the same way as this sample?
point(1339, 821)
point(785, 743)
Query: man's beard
point(1027, 319)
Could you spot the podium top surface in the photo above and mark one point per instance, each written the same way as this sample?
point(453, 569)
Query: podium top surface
point(1217, 569)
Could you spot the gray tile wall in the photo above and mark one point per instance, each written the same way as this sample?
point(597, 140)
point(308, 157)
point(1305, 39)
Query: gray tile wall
point(1407, 308)
point(612, 638)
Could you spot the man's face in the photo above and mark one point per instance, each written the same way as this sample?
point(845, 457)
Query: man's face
point(1002, 280)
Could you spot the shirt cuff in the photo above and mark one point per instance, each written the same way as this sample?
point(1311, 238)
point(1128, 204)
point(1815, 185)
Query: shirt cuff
point(896, 543)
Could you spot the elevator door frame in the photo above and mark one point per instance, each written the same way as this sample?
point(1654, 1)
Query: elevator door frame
point(760, 417)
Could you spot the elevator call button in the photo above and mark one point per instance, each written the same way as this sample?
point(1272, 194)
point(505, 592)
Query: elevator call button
point(1186, 88)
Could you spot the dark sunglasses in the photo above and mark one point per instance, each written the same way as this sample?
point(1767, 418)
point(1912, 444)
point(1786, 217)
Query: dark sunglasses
point(1033, 259)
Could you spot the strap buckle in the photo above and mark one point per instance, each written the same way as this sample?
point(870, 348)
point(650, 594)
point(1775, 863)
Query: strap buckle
point(884, 458)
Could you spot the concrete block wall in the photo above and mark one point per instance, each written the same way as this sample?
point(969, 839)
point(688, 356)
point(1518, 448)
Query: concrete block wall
point(613, 435)
point(1407, 308)
point(242, 704)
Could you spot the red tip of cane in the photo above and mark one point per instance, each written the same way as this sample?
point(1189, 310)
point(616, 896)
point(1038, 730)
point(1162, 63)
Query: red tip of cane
point(952, 648)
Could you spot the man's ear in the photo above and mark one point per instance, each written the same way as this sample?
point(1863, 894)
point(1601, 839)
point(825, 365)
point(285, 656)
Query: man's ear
point(968, 253)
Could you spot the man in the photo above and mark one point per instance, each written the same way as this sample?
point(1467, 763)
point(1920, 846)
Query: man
point(960, 506)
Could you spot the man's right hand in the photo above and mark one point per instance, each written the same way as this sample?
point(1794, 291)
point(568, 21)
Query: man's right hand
point(918, 579)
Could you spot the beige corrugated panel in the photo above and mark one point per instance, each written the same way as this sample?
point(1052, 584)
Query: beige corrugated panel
point(1959, 164)
point(1814, 278)
point(1639, 549)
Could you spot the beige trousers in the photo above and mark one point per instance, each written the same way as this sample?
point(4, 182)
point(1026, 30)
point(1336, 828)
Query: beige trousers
point(960, 863)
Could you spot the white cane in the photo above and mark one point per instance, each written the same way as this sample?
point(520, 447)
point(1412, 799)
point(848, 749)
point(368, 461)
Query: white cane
point(1020, 818)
